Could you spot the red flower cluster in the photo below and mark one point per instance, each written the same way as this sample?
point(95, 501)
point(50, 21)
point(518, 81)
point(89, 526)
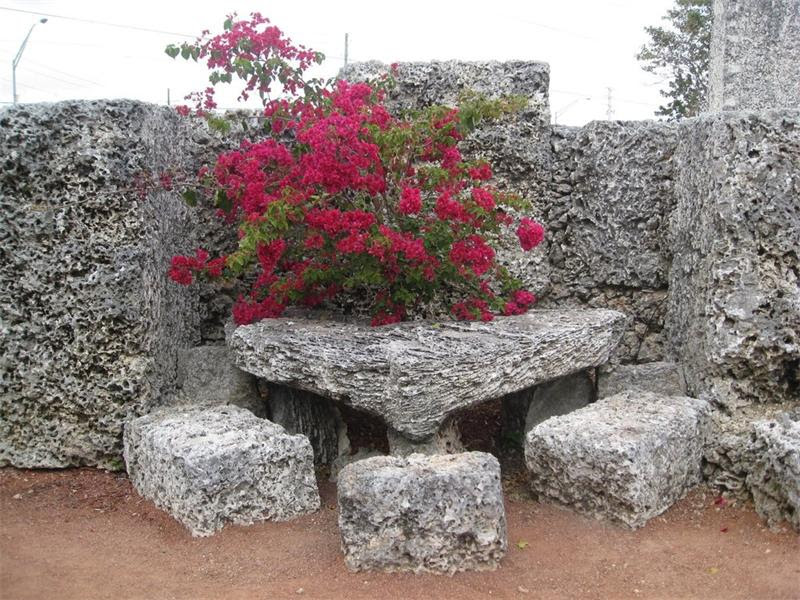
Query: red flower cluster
point(345, 197)
point(183, 268)
point(530, 233)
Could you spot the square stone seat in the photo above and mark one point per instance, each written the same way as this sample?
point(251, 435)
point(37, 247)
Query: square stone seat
point(440, 514)
point(626, 458)
point(415, 374)
point(211, 466)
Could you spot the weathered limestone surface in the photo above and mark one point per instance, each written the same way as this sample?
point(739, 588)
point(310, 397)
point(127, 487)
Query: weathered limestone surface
point(730, 453)
point(774, 478)
point(345, 459)
point(208, 377)
point(217, 465)
point(606, 214)
point(313, 416)
point(755, 55)
point(90, 326)
point(414, 374)
point(734, 306)
point(626, 458)
point(559, 397)
point(661, 377)
point(440, 513)
point(447, 440)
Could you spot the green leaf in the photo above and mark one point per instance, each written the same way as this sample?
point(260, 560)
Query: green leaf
point(172, 50)
point(222, 201)
point(185, 52)
point(190, 196)
point(522, 544)
point(228, 24)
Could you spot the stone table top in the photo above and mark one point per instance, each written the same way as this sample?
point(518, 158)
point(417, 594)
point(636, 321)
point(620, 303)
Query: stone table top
point(414, 374)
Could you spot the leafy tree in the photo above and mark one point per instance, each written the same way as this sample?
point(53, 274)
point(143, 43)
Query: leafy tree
point(679, 53)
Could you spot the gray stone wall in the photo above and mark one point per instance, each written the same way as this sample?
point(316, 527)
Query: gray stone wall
point(91, 325)
point(755, 55)
point(606, 214)
point(734, 303)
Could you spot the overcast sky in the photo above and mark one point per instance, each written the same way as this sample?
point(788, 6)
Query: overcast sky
point(590, 44)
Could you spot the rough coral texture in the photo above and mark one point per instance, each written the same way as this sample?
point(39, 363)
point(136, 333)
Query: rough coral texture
point(755, 55)
point(314, 416)
point(217, 465)
point(559, 397)
point(774, 478)
point(447, 440)
point(662, 377)
point(414, 374)
point(440, 513)
point(730, 453)
point(607, 217)
point(91, 327)
point(734, 305)
point(626, 458)
point(208, 377)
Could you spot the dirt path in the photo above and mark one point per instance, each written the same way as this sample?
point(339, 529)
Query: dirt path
point(85, 534)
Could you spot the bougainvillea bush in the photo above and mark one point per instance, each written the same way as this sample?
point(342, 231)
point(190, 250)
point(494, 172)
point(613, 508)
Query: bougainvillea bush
point(337, 196)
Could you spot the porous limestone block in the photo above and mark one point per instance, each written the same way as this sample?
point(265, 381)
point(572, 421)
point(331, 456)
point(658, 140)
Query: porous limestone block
point(626, 458)
point(559, 397)
point(311, 415)
point(217, 465)
point(733, 317)
point(754, 59)
point(774, 478)
point(208, 377)
point(658, 377)
point(91, 326)
point(441, 513)
point(445, 441)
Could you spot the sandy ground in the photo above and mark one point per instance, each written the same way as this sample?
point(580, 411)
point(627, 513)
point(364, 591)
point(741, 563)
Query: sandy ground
point(86, 534)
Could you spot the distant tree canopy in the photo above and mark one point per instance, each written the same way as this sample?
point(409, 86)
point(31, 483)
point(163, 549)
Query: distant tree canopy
point(679, 53)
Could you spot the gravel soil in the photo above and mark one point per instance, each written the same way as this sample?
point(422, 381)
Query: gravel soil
point(86, 534)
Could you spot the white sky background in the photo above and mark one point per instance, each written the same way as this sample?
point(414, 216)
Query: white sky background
point(590, 45)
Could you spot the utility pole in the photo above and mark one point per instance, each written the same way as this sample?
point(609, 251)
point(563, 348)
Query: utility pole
point(168, 103)
point(346, 47)
point(610, 108)
point(17, 58)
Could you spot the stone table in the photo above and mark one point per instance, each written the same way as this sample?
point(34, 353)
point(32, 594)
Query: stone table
point(415, 374)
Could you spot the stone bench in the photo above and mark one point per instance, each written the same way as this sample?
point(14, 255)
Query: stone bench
point(216, 465)
point(415, 374)
point(440, 514)
point(626, 458)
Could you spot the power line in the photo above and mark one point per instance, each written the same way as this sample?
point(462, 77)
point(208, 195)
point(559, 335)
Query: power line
point(94, 22)
point(59, 72)
point(549, 27)
point(43, 74)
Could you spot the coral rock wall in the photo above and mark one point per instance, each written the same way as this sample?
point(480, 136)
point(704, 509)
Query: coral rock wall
point(91, 326)
point(734, 301)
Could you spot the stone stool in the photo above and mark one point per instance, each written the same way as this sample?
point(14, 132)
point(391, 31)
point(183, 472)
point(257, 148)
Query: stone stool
point(440, 513)
point(626, 458)
point(216, 465)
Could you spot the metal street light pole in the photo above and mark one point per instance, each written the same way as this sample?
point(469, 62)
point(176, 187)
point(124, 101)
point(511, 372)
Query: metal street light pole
point(17, 58)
